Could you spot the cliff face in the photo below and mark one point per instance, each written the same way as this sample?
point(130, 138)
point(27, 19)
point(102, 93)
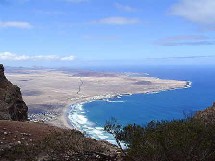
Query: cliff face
point(12, 105)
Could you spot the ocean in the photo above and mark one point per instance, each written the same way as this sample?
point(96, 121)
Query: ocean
point(91, 117)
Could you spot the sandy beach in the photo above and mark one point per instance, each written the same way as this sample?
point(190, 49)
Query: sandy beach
point(50, 93)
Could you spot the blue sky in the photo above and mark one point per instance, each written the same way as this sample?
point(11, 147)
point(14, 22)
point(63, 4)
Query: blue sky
point(106, 32)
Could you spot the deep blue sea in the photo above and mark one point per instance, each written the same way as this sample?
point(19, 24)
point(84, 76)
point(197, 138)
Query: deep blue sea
point(142, 108)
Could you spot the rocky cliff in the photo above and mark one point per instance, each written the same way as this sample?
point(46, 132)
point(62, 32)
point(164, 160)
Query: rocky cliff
point(12, 106)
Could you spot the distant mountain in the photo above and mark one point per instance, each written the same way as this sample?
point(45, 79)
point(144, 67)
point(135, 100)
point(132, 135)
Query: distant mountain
point(12, 106)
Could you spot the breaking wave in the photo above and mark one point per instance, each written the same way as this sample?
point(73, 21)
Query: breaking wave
point(78, 119)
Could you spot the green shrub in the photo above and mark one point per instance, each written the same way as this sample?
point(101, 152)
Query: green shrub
point(177, 140)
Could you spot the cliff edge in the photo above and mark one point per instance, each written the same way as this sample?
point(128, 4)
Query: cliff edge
point(12, 106)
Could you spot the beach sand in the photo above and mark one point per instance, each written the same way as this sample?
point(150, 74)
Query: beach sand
point(50, 93)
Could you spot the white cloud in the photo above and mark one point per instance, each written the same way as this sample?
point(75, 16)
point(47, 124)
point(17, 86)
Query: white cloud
point(67, 58)
point(118, 21)
point(15, 57)
point(15, 24)
point(44, 57)
point(200, 11)
point(11, 56)
point(124, 7)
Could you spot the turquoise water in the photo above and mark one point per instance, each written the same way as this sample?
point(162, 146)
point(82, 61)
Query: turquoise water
point(142, 108)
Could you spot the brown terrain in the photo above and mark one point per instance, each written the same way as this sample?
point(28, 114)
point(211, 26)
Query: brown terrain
point(13, 132)
point(38, 141)
point(24, 140)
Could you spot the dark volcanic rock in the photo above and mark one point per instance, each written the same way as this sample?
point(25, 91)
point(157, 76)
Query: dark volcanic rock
point(12, 105)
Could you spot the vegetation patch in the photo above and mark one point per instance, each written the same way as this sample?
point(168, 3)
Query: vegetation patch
point(178, 140)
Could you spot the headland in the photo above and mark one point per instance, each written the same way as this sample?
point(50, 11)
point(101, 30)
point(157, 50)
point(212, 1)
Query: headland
point(49, 93)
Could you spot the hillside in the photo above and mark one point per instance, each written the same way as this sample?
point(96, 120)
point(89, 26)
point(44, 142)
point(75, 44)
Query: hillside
point(38, 141)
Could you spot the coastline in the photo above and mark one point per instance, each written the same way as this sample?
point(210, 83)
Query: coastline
point(69, 108)
point(53, 97)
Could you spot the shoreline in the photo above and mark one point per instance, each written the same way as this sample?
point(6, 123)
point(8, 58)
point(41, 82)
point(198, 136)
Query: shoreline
point(53, 98)
point(69, 108)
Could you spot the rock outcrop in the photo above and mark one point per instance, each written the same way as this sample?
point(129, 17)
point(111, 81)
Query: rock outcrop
point(12, 106)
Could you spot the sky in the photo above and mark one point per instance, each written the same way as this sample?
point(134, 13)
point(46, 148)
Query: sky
point(107, 32)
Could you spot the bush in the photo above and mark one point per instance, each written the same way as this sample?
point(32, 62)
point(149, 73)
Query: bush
point(177, 140)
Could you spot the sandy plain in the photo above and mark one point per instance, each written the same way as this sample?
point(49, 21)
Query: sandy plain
point(50, 93)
